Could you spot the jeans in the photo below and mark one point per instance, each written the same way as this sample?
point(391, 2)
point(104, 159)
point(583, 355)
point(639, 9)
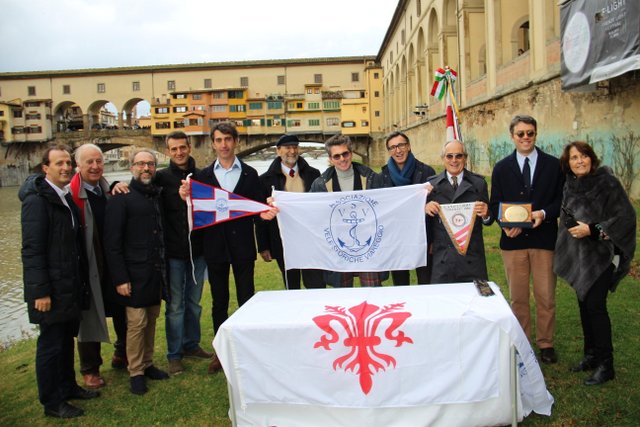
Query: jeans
point(182, 316)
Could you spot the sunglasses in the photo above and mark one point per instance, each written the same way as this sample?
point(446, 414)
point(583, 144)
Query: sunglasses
point(530, 133)
point(344, 155)
point(457, 156)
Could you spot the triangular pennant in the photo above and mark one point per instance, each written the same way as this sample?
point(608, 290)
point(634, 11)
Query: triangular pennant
point(458, 219)
point(209, 205)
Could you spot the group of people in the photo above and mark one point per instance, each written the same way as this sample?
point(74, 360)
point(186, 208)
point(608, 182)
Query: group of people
point(90, 251)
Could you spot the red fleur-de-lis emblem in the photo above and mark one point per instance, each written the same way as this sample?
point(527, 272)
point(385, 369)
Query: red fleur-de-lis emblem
point(361, 323)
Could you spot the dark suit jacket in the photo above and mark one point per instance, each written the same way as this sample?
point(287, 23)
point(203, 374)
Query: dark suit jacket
point(232, 241)
point(448, 265)
point(507, 185)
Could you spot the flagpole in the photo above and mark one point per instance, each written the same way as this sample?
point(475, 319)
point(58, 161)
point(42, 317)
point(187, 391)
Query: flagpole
point(286, 277)
point(190, 222)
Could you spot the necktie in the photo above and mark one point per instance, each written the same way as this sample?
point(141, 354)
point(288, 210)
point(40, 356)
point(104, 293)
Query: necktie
point(526, 174)
point(292, 173)
point(455, 182)
point(97, 190)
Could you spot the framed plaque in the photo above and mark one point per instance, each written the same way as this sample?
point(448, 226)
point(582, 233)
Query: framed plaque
point(515, 215)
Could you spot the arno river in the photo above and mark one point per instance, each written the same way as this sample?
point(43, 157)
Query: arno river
point(14, 324)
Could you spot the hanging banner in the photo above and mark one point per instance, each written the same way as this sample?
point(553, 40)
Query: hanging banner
point(599, 40)
point(458, 219)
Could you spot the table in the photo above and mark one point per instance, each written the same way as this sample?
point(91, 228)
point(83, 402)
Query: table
point(390, 356)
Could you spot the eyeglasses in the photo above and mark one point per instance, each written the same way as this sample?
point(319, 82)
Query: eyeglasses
point(530, 133)
point(142, 164)
point(400, 146)
point(344, 155)
point(457, 156)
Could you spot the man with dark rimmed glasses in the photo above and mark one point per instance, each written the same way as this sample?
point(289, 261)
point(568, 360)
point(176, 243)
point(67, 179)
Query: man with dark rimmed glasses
point(346, 175)
point(529, 175)
point(403, 168)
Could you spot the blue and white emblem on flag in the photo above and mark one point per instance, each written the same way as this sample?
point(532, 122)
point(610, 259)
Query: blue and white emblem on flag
point(366, 230)
point(354, 230)
point(209, 205)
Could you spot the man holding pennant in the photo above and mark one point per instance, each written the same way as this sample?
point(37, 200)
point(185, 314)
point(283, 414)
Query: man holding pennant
point(230, 242)
point(460, 198)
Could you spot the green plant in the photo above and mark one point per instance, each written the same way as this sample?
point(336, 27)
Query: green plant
point(625, 155)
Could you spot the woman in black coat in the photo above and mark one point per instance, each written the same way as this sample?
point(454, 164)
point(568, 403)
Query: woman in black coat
point(595, 245)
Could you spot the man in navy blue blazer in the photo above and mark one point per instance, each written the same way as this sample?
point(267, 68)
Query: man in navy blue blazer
point(529, 175)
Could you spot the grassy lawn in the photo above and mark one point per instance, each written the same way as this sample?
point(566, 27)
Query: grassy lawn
point(197, 399)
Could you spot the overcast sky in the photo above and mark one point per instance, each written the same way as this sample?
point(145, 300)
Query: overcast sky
point(71, 34)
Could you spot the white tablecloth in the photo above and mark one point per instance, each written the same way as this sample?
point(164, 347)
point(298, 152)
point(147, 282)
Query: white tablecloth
point(410, 355)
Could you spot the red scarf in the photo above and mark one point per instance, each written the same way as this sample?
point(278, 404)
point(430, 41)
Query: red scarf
point(75, 186)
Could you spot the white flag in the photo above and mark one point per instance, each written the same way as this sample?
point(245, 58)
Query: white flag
point(366, 230)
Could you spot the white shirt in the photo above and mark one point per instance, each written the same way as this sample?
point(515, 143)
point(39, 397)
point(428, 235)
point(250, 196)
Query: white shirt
point(228, 178)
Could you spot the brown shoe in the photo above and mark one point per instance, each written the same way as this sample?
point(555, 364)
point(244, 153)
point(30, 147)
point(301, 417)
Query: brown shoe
point(175, 367)
point(214, 366)
point(93, 381)
point(198, 353)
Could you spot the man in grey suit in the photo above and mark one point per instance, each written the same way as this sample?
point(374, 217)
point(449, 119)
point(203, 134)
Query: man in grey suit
point(456, 184)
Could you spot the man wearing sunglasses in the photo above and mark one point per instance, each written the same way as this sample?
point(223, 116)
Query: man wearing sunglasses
point(346, 175)
point(529, 175)
point(456, 184)
point(403, 168)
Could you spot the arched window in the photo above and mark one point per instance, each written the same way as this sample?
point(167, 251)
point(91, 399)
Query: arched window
point(523, 38)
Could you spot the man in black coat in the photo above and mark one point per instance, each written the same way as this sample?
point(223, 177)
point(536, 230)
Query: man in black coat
point(403, 168)
point(183, 309)
point(55, 281)
point(529, 175)
point(456, 184)
point(134, 250)
point(288, 172)
point(229, 244)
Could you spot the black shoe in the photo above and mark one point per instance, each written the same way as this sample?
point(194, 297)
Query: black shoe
point(548, 355)
point(64, 411)
point(588, 363)
point(603, 373)
point(138, 385)
point(82, 394)
point(155, 374)
point(119, 362)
